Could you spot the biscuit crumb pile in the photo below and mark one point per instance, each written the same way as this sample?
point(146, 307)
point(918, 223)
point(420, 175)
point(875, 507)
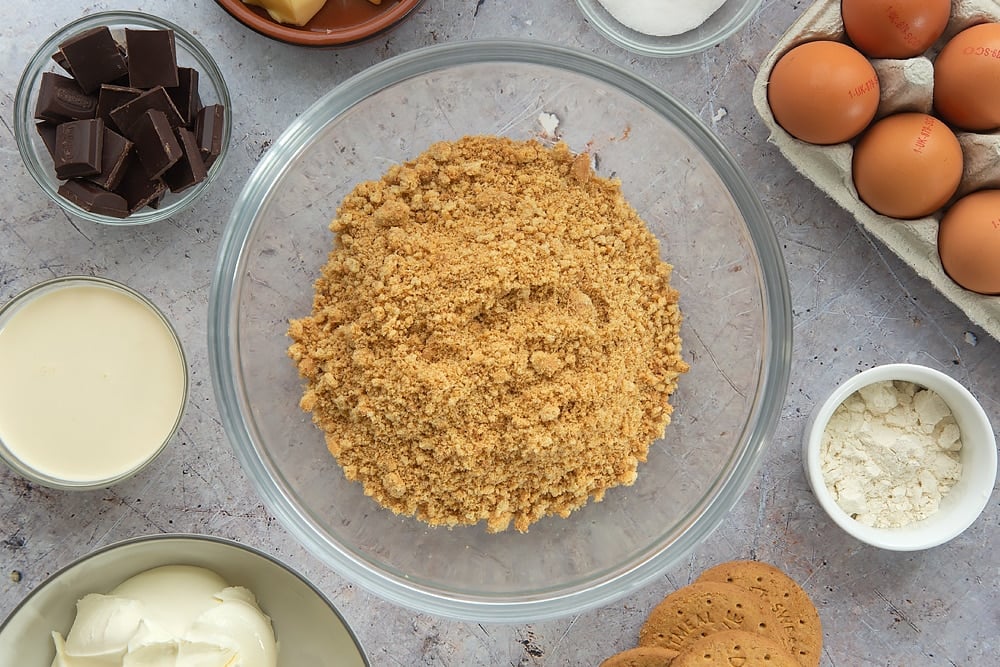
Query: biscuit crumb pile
point(494, 336)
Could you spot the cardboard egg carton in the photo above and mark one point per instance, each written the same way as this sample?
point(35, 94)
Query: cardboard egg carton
point(906, 85)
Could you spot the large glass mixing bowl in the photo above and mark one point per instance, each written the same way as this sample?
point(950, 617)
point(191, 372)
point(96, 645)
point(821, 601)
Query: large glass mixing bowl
point(728, 269)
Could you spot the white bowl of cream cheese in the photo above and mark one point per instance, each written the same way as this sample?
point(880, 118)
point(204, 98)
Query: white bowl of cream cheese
point(901, 456)
point(183, 600)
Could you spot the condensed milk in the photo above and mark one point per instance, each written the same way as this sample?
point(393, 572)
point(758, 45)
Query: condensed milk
point(93, 382)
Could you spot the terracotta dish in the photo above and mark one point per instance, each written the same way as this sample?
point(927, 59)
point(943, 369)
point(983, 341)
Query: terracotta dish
point(338, 22)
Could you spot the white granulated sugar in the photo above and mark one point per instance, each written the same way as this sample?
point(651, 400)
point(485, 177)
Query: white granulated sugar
point(890, 453)
point(662, 18)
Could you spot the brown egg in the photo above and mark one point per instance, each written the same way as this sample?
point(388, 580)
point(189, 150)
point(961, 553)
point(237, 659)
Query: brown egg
point(894, 28)
point(969, 242)
point(823, 92)
point(967, 78)
point(907, 165)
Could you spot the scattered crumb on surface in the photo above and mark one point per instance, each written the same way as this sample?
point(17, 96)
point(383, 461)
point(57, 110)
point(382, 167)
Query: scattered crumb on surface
point(549, 123)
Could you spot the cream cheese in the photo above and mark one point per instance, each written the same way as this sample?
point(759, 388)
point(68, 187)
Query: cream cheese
point(170, 616)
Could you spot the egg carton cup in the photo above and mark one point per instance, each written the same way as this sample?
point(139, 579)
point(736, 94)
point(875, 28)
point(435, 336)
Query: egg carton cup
point(905, 85)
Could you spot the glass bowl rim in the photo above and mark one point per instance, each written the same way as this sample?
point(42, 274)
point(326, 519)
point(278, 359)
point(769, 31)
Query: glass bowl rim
point(24, 116)
point(24, 297)
point(223, 328)
point(672, 46)
point(165, 537)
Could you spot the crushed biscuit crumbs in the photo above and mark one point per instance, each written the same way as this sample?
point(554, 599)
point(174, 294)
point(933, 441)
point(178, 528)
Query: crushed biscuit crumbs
point(494, 336)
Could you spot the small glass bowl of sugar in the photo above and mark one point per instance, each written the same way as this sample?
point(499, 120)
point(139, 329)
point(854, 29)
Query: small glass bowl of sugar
point(668, 28)
point(901, 456)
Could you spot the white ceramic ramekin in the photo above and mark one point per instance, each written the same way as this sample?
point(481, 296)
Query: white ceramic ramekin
point(963, 503)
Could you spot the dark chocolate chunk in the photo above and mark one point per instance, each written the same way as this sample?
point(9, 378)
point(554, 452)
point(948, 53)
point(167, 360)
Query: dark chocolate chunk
point(60, 99)
point(94, 58)
point(113, 158)
point(152, 58)
point(110, 97)
point(155, 143)
point(93, 198)
point(47, 131)
point(208, 131)
point(190, 169)
point(131, 111)
point(185, 94)
point(138, 189)
point(79, 148)
point(60, 59)
point(123, 79)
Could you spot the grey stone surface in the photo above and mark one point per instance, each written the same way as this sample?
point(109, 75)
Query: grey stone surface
point(855, 305)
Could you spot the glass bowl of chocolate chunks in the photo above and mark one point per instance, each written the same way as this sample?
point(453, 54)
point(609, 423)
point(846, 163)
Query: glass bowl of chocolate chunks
point(122, 118)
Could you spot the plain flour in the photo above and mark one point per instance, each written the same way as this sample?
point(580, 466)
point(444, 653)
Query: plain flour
point(890, 453)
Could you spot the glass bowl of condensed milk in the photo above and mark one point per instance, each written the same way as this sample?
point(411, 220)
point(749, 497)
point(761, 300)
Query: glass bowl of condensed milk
point(93, 385)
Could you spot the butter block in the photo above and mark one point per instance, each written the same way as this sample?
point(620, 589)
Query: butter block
point(293, 12)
